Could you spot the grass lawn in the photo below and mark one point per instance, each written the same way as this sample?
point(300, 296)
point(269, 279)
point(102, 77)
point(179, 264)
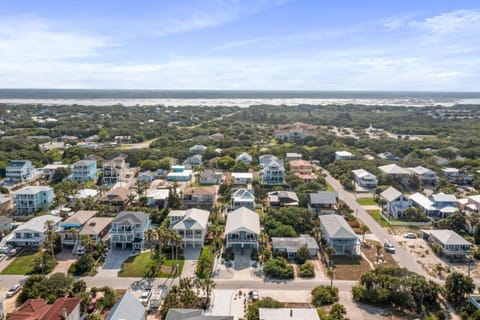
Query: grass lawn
point(22, 264)
point(348, 268)
point(139, 266)
point(366, 201)
point(329, 187)
point(376, 215)
point(196, 184)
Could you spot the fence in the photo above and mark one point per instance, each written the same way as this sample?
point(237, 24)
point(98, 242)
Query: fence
point(404, 223)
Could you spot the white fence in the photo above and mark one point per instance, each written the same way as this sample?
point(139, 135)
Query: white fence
point(404, 223)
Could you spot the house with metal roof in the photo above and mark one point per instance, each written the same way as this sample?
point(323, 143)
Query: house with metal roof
point(242, 229)
point(243, 198)
point(338, 234)
point(425, 176)
point(70, 227)
point(439, 205)
point(33, 232)
point(395, 202)
point(191, 225)
point(241, 177)
point(394, 170)
point(344, 155)
point(245, 158)
point(193, 314)
point(451, 244)
point(323, 202)
point(364, 178)
point(128, 307)
point(290, 246)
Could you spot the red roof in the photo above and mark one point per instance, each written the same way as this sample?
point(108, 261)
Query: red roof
point(38, 309)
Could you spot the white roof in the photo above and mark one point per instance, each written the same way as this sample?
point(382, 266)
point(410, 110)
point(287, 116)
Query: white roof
point(450, 170)
point(39, 223)
point(85, 193)
point(242, 218)
point(362, 173)
point(32, 190)
point(447, 237)
point(393, 169)
point(449, 210)
point(343, 153)
point(288, 313)
point(158, 193)
point(54, 166)
point(421, 170)
point(242, 175)
point(475, 198)
point(390, 194)
point(192, 219)
point(443, 197)
point(336, 227)
point(244, 155)
point(243, 195)
point(422, 201)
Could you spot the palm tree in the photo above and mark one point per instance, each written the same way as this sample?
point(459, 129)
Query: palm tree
point(364, 229)
point(50, 241)
point(209, 285)
point(378, 247)
point(161, 234)
point(317, 233)
point(176, 242)
point(88, 243)
point(149, 234)
point(329, 251)
point(330, 275)
point(198, 283)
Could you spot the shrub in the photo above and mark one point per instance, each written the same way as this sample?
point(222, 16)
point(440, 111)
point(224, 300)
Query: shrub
point(324, 295)
point(205, 263)
point(228, 254)
point(307, 270)
point(278, 268)
point(302, 255)
point(83, 266)
point(267, 302)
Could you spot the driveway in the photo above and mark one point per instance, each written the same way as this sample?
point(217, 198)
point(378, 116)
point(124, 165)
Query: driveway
point(113, 262)
point(191, 259)
point(64, 260)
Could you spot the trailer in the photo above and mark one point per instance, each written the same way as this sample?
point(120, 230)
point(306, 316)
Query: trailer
point(156, 298)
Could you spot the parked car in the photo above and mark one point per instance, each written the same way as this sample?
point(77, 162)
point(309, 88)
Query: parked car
point(13, 290)
point(2, 256)
point(255, 295)
point(145, 297)
point(410, 235)
point(390, 248)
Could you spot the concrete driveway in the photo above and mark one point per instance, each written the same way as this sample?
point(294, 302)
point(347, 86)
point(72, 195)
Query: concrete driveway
point(191, 259)
point(113, 262)
point(64, 260)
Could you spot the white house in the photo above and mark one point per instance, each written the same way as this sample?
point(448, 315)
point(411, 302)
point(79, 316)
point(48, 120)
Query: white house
point(425, 176)
point(395, 202)
point(242, 178)
point(293, 156)
point(32, 232)
point(19, 170)
point(243, 198)
point(191, 225)
point(344, 155)
point(364, 178)
point(273, 172)
point(394, 170)
point(242, 229)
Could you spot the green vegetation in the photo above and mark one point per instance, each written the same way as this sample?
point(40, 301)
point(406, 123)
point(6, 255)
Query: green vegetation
point(29, 262)
point(307, 270)
point(278, 268)
point(375, 214)
point(205, 263)
point(288, 222)
point(366, 201)
point(267, 302)
point(324, 295)
point(146, 265)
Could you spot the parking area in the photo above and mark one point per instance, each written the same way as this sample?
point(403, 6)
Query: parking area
point(191, 258)
point(64, 260)
point(113, 262)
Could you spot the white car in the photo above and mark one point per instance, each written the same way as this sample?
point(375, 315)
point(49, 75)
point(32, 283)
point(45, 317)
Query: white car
point(13, 290)
point(2, 256)
point(410, 235)
point(145, 297)
point(254, 295)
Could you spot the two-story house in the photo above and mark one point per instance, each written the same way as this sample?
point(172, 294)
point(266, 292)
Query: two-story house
point(457, 176)
point(128, 230)
point(31, 199)
point(302, 169)
point(18, 170)
point(272, 173)
point(338, 234)
point(278, 199)
point(364, 179)
point(114, 170)
point(241, 178)
point(70, 228)
point(243, 198)
point(202, 197)
point(84, 170)
point(425, 176)
point(452, 245)
point(197, 149)
point(193, 161)
point(33, 232)
point(293, 156)
point(117, 198)
point(395, 203)
point(64, 308)
point(180, 173)
point(191, 225)
point(344, 155)
point(245, 158)
point(323, 202)
point(439, 205)
point(96, 228)
point(242, 229)
point(210, 177)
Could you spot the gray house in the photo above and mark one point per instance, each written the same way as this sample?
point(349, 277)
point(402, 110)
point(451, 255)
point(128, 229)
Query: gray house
point(128, 307)
point(128, 230)
point(242, 228)
point(290, 246)
point(323, 202)
point(338, 234)
point(451, 243)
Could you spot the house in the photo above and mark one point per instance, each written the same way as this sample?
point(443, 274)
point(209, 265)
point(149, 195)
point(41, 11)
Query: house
point(158, 198)
point(202, 197)
point(146, 176)
point(423, 203)
point(241, 178)
point(5, 204)
point(394, 170)
point(19, 170)
point(69, 228)
point(31, 199)
point(451, 244)
point(243, 198)
point(211, 177)
point(388, 156)
point(128, 230)
point(456, 176)
point(128, 307)
point(323, 202)
point(295, 130)
point(425, 176)
point(344, 155)
point(193, 161)
point(364, 179)
point(32, 232)
point(84, 194)
point(179, 173)
point(300, 166)
point(266, 159)
point(288, 314)
point(49, 169)
point(64, 308)
point(114, 170)
point(437, 205)
point(191, 225)
point(338, 234)
point(193, 314)
point(245, 158)
point(474, 202)
point(395, 202)
point(5, 224)
point(197, 149)
point(293, 156)
point(96, 228)
point(290, 246)
point(272, 173)
point(282, 199)
point(242, 229)
point(117, 197)
point(216, 136)
point(84, 170)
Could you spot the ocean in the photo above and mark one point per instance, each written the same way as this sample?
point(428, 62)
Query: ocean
point(242, 98)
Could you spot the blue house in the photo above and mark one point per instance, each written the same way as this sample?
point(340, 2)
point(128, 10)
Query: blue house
point(18, 170)
point(84, 170)
point(32, 198)
point(179, 173)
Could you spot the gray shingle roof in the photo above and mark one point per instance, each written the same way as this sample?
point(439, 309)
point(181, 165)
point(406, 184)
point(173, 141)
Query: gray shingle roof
point(192, 314)
point(131, 217)
point(324, 197)
point(242, 218)
point(127, 308)
point(336, 227)
point(447, 237)
point(293, 244)
point(390, 194)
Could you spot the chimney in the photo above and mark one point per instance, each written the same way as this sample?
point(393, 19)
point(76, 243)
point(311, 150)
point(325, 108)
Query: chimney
point(64, 314)
point(291, 313)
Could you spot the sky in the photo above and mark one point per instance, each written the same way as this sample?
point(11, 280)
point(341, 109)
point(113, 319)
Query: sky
point(428, 45)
